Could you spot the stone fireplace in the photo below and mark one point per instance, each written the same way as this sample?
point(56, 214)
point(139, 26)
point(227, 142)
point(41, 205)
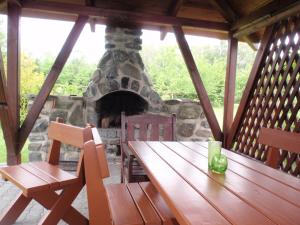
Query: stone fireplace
point(119, 83)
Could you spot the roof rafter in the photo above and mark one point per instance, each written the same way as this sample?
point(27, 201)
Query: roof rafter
point(123, 15)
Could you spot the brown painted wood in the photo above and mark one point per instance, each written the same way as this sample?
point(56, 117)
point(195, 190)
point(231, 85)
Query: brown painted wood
point(142, 127)
point(280, 189)
point(158, 203)
point(50, 80)
point(54, 149)
point(129, 16)
point(143, 204)
point(188, 206)
point(265, 16)
point(229, 92)
point(213, 192)
point(249, 192)
point(250, 83)
point(198, 84)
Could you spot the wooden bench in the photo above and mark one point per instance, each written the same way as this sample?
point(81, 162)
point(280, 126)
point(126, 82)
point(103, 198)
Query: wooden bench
point(40, 180)
point(277, 139)
point(120, 204)
point(144, 127)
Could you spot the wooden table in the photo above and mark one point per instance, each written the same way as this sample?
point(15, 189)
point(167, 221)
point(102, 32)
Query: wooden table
point(249, 192)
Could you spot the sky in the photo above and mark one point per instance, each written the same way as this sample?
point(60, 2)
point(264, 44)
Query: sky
point(40, 37)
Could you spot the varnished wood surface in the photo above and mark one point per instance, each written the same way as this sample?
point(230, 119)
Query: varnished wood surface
point(249, 192)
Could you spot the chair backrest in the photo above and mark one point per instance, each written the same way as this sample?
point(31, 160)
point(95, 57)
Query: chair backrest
point(99, 212)
point(147, 127)
point(70, 135)
point(277, 139)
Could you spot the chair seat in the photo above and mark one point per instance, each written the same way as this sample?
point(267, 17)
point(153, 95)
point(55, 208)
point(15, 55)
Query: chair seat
point(37, 176)
point(138, 204)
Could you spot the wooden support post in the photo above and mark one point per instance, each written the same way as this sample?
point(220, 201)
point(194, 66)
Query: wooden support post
point(199, 86)
point(13, 79)
point(251, 82)
point(229, 92)
point(50, 80)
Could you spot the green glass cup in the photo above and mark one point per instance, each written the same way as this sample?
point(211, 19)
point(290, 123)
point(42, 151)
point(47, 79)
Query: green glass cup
point(219, 164)
point(214, 148)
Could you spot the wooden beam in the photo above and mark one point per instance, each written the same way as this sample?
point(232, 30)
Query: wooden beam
point(50, 80)
point(173, 10)
point(224, 9)
point(199, 86)
point(123, 15)
point(269, 14)
point(229, 92)
point(265, 44)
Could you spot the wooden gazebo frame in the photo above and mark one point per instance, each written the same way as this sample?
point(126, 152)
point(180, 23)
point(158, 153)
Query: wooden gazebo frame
point(225, 19)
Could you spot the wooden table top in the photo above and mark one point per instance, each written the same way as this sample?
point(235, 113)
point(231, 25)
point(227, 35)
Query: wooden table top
point(248, 193)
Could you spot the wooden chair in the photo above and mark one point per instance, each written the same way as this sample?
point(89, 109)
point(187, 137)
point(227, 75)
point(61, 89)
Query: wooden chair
point(277, 139)
point(40, 180)
point(144, 127)
point(120, 204)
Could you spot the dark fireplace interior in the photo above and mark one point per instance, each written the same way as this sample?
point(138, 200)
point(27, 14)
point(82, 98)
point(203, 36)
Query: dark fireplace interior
point(110, 106)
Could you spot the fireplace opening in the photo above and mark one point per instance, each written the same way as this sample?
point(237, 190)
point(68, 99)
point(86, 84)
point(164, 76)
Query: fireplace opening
point(110, 106)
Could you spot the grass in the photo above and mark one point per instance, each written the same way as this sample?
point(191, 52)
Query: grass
point(3, 150)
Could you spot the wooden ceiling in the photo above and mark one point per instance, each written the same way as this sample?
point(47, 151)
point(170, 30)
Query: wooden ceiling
point(245, 19)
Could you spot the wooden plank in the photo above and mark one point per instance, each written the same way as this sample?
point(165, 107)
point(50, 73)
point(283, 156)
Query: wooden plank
point(277, 175)
point(24, 180)
point(50, 80)
point(278, 188)
point(158, 203)
point(249, 192)
point(143, 204)
point(224, 9)
point(213, 192)
point(265, 16)
point(187, 207)
point(229, 92)
point(280, 139)
point(128, 16)
point(250, 84)
point(198, 84)
point(119, 197)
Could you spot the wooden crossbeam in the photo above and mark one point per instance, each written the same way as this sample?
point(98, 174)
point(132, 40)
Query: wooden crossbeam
point(198, 84)
point(123, 15)
point(229, 92)
point(269, 14)
point(173, 10)
point(50, 80)
point(250, 84)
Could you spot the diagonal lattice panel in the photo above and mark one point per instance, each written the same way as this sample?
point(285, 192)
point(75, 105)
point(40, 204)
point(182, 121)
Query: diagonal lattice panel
point(275, 98)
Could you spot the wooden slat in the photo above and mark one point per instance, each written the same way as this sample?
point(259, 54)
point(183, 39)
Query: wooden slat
point(214, 193)
point(50, 80)
point(158, 203)
point(128, 16)
point(251, 193)
point(229, 92)
point(24, 180)
point(259, 167)
point(198, 84)
point(270, 184)
point(187, 207)
point(143, 204)
point(265, 44)
point(119, 197)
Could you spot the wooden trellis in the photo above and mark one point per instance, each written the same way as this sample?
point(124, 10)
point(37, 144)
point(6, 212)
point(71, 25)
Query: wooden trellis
point(274, 99)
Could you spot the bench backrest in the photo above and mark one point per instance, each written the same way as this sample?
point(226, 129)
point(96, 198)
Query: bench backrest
point(277, 139)
point(61, 133)
point(147, 127)
point(99, 212)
